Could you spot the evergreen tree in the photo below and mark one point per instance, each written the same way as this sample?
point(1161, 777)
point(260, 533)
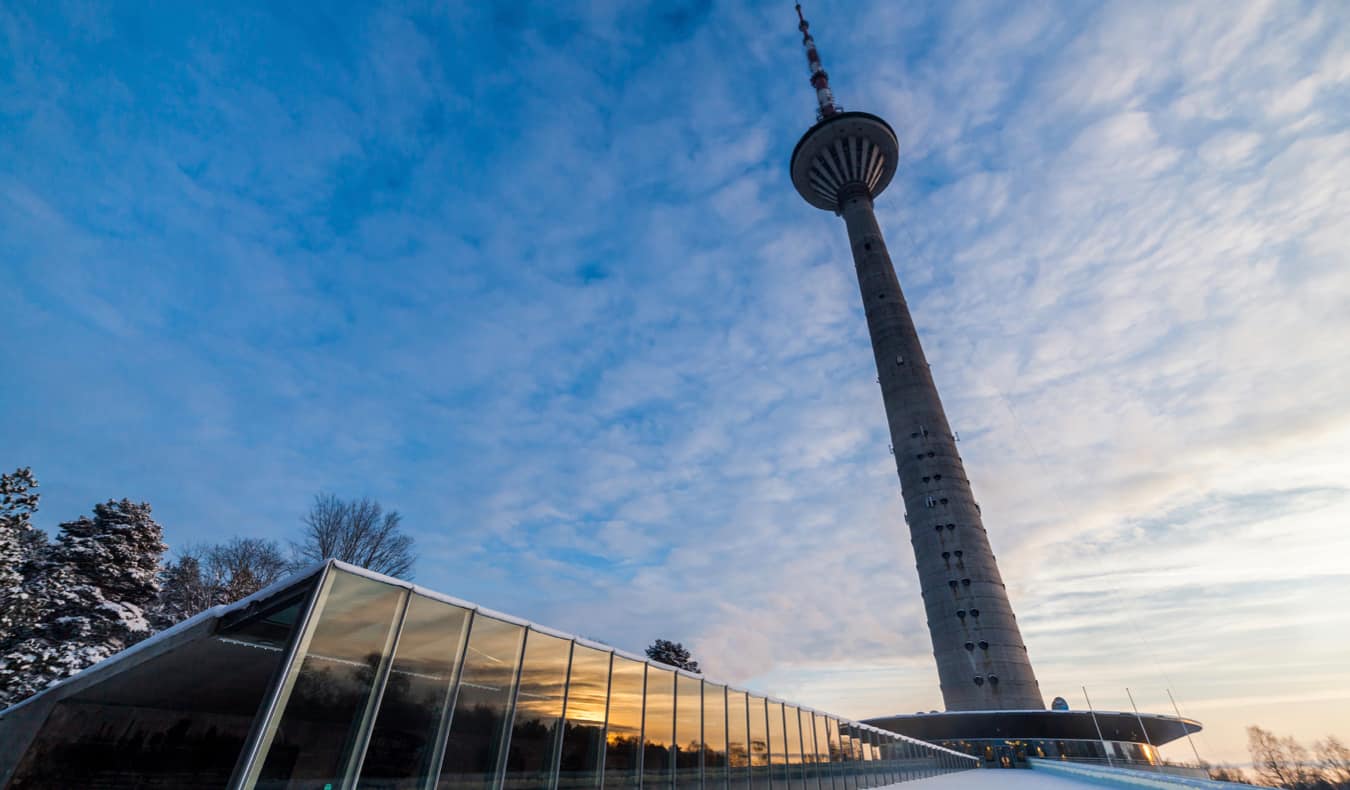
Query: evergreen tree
point(672, 653)
point(18, 543)
point(89, 593)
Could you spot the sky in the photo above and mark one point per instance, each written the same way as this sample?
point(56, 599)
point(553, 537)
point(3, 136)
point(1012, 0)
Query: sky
point(533, 274)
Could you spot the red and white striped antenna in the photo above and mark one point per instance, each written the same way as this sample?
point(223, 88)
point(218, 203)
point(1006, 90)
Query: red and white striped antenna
point(819, 79)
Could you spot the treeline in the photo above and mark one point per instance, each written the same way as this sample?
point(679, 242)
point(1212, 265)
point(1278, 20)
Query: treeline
point(104, 582)
point(1284, 762)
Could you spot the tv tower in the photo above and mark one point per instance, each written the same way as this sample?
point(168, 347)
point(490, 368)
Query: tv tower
point(842, 164)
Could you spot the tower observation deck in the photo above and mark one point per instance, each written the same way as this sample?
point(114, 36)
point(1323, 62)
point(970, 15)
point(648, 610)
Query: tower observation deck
point(842, 164)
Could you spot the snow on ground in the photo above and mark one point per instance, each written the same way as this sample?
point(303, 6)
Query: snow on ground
point(990, 778)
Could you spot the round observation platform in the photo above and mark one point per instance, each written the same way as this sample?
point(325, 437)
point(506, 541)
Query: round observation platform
point(845, 148)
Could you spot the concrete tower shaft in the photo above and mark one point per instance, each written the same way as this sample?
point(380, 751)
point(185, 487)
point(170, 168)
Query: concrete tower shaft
point(841, 164)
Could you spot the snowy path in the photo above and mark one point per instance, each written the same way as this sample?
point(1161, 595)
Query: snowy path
point(991, 779)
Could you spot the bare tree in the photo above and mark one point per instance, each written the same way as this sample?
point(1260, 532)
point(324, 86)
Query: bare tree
point(1333, 757)
point(358, 531)
point(1281, 762)
point(210, 575)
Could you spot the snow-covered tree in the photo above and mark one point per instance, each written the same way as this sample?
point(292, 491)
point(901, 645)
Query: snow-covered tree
point(18, 542)
point(90, 591)
point(672, 653)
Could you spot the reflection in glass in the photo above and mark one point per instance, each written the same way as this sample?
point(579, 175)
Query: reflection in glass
point(416, 696)
point(738, 740)
point(688, 732)
point(838, 755)
point(473, 748)
point(869, 774)
point(794, 747)
point(847, 742)
point(539, 709)
point(759, 744)
point(624, 733)
point(777, 747)
point(824, 769)
point(658, 728)
point(714, 735)
point(583, 740)
point(329, 693)
point(179, 719)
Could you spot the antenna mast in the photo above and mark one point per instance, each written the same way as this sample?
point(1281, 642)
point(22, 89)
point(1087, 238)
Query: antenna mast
point(819, 79)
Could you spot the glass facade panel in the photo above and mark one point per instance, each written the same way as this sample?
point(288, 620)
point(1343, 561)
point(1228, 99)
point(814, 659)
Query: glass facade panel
point(777, 747)
point(688, 732)
point(759, 743)
point(413, 712)
point(478, 726)
point(535, 728)
point(870, 775)
point(658, 729)
point(824, 766)
point(840, 756)
point(179, 719)
point(623, 735)
point(328, 696)
point(583, 743)
point(796, 779)
point(738, 741)
point(714, 736)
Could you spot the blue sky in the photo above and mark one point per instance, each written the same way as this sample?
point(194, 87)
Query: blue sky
point(534, 275)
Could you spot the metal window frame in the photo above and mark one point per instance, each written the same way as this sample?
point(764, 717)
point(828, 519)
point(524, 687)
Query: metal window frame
point(366, 724)
point(265, 722)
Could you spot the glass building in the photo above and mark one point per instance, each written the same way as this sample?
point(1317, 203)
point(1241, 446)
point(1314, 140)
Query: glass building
point(340, 678)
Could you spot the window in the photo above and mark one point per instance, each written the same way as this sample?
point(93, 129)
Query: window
point(583, 742)
point(946, 554)
point(958, 554)
point(952, 584)
point(799, 752)
point(974, 612)
point(479, 725)
point(714, 735)
point(658, 723)
point(984, 645)
point(329, 693)
point(778, 745)
point(993, 680)
point(759, 744)
point(970, 646)
point(929, 501)
point(688, 731)
point(738, 741)
point(539, 711)
point(623, 735)
point(943, 500)
point(961, 613)
point(965, 582)
point(414, 711)
point(979, 681)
